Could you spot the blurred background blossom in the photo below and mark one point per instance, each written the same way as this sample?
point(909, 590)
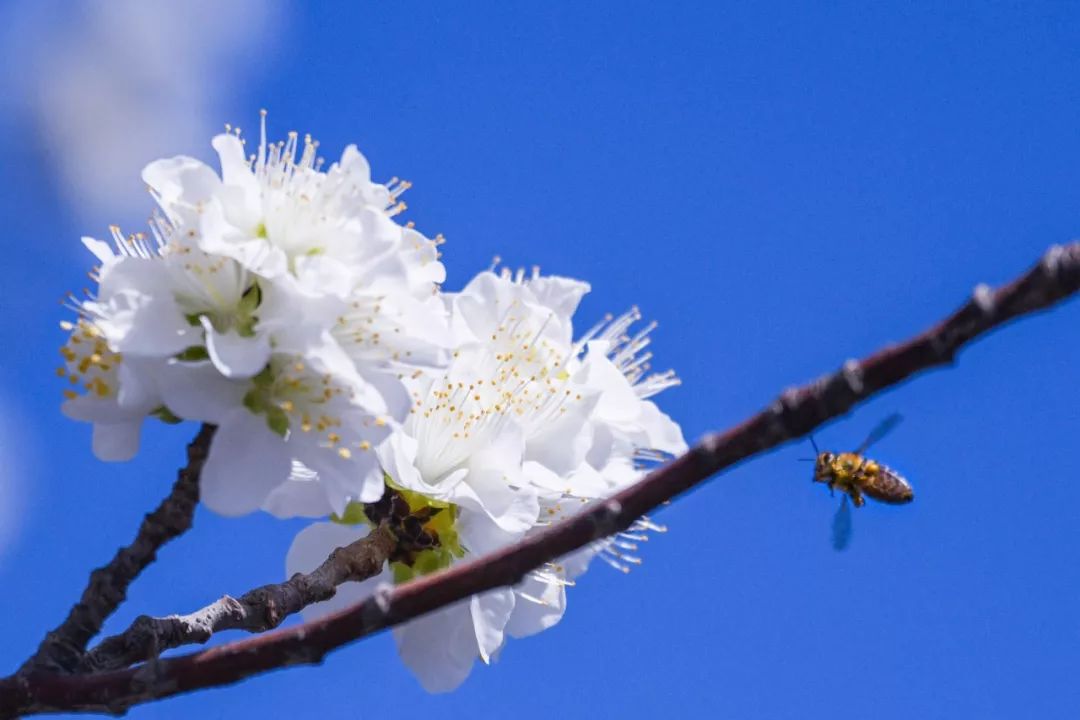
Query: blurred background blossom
point(101, 88)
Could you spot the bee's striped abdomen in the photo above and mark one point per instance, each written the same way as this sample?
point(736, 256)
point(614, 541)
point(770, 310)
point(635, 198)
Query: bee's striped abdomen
point(885, 485)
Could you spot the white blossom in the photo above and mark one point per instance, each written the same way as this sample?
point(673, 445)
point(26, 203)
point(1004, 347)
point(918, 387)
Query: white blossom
point(524, 427)
point(282, 303)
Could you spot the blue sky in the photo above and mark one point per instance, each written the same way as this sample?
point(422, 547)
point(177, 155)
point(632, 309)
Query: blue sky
point(781, 187)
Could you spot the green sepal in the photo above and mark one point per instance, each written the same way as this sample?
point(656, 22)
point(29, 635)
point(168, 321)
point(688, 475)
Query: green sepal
point(254, 401)
point(277, 420)
point(194, 353)
point(166, 415)
point(250, 300)
point(353, 515)
point(264, 379)
point(246, 327)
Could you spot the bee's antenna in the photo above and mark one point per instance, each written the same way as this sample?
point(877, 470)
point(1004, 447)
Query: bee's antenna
point(814, 445)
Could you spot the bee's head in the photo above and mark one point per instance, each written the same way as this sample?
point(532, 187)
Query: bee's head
point(823, 466)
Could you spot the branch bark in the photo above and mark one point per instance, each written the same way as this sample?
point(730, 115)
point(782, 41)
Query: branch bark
point(795, 413)
point(255, 611)
point(63, 648)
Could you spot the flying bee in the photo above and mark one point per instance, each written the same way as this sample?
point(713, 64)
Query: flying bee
point(855, 476)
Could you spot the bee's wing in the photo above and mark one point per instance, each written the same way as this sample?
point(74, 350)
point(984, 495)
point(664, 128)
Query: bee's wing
point(841, 525)
point(884, 428)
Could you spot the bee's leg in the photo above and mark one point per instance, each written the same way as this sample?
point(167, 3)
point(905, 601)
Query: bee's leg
point(831, 492)
point(857, 498)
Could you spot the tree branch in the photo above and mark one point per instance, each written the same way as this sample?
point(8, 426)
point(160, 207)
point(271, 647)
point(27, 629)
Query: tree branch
point(258, 610)
point(796, 412)
point(63, 648)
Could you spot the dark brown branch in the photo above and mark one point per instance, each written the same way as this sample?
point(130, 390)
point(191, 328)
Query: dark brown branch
point(63, 648)
point(258, 610)
point(796, 412)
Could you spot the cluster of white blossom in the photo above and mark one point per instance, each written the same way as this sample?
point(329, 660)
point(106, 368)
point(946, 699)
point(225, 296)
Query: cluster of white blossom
point(285, 305)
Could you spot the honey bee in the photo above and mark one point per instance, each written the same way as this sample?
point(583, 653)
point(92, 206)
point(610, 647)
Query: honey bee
point(855, 476)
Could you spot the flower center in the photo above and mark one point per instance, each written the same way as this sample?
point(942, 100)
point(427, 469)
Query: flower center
point(426, 530)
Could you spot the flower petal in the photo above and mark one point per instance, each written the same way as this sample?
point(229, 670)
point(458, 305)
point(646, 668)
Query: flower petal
point(490, 613)
point(530, 616)
point(233, 355)
point(197, 391)
point(247, 461)
point(116, 442)
point(180, 181)
point(440, 647)
point(302, 495)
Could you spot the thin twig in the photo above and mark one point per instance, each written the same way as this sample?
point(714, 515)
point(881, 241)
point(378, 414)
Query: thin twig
point(258, 610)
point(63, 648)
point(795, 413)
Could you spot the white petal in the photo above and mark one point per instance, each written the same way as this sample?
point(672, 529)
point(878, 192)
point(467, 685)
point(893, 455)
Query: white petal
point(233, 355)
point(91, 408)
point(357, 478)
point(576, 563)
point(397, 455)
point(395, 395)
point(247, 461)
point(480, 535)
point(299, 497)
point(618, 401)
point(562, 444)
point(235, 171)
point(529, 616)
point(138, 391)
point(219, 235)
point(561, 294)
point(116, 442)
point(102, 250)
point(490, 612)
point(138, 312)
point(663, 433)
point(440, 647)
point(180, 180)
point(197, 391)
point(514, 510)
point(320, 275)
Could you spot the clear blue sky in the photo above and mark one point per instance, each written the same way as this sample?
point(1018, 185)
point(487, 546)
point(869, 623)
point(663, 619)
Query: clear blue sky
point(782, 188)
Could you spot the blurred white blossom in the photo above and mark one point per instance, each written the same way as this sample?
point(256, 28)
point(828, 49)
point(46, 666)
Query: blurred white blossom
point(104, 86)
